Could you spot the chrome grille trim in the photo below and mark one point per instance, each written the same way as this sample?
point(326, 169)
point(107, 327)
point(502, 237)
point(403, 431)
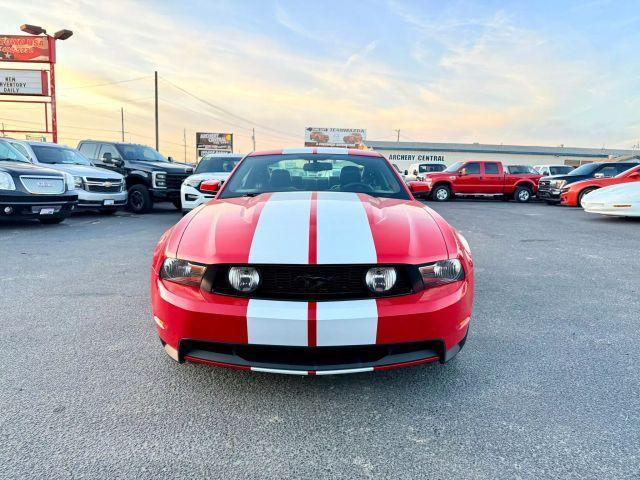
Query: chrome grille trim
point(43, 185)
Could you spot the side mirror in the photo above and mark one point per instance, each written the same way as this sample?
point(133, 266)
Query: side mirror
point(419, 187)
point(106, 158)
point(599, 175)
point(210, 186)
point(170, 159)
point(118, 162)
point(462, 172)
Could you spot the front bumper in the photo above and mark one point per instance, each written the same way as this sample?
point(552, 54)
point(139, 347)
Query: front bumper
point(552, 195)
point(99, 201)
point(192, 197)
point(338, 337)
point(23, 207)
point(569, 199)
point(164, 194)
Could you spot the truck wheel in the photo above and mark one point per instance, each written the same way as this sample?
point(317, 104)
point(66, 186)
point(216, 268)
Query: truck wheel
point(441, 193)
point(177, 203)
point(522, 194)
point(139, 199)
point(51, 221)
point(582, 194)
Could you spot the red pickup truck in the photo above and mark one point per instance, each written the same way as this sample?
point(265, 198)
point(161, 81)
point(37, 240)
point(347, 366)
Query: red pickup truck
point(483, 178)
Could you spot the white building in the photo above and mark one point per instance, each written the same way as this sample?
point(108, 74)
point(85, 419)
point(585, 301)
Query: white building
point(404, 154)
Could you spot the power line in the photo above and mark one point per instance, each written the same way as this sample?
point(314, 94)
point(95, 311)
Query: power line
point(115, 82)
point(227, 112)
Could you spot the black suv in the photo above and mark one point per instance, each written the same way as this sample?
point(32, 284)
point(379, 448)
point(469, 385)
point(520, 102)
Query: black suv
point(29, 191)
point(150, 177)
point(549, 188)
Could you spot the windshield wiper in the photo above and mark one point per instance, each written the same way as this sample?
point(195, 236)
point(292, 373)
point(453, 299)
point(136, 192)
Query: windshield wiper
point(7, 159)
point(250, 194)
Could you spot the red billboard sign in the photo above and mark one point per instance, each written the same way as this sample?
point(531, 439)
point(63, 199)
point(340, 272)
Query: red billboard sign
point(24, 48)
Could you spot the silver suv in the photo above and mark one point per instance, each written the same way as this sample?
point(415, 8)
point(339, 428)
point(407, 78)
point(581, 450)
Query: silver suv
point(97, 188)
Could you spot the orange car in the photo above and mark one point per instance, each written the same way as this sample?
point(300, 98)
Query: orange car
point(573, 194)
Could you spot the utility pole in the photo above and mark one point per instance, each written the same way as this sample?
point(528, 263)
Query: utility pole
point(157, 131)
point(253, 137)
point(122, 122)
point(398, 132)
point(184, 139)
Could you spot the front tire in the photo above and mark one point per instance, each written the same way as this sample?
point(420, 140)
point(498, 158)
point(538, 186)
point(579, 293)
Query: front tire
point(441, 193)
point(582, 194)
point(140, 200)
point(522, 194)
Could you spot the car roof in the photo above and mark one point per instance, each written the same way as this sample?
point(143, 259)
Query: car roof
point(114, 143)
point(318, 150)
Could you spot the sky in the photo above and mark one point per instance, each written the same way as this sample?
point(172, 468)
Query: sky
point(512, 72)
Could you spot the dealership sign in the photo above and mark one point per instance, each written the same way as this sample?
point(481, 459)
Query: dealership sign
point(415, 157)
point(24, 48)
point(334, 137)
point(23, 82)
point(208, 143)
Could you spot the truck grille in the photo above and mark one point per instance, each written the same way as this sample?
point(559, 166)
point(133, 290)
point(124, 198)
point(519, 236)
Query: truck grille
point(544, 184)
point(310, 282)
point(174, 180)
point(43, 185)
point(100, 185)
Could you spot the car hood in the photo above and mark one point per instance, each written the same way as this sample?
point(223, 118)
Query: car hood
point(209, 176)
point(86, 171)
point(302, 228)
point(168, 167)
point(624, 193)
point(23, 168)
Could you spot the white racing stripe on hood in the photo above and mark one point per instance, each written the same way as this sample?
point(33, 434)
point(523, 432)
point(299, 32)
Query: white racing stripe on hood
point(282, 232)
point(344, 234)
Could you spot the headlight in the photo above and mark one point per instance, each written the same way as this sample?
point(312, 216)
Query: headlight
point(381, 279)
point(78, 182)
point(193, 182)
point(244, 279)
point(159, 179)
point(6, 182)
point(439, 273)
point(182, 271)
point(558, 183)
point(70, 181)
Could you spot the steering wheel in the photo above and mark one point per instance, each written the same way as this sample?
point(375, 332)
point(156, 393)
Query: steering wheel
point(356, 187)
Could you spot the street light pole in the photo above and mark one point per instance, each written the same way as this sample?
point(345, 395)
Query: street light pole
point(157, 131)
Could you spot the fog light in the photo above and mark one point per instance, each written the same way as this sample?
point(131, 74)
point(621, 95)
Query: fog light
point(244, 279)
point(381, 279)
point(8, 210)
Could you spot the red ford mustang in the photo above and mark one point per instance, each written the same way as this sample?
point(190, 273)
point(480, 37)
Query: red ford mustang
point(312, 261)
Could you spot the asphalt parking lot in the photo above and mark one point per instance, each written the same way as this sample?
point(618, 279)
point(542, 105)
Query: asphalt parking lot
point(547, 386)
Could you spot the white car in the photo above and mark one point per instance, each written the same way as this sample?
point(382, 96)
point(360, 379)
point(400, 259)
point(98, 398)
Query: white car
point(619, 200)
point(217, 166)
point(550, 170)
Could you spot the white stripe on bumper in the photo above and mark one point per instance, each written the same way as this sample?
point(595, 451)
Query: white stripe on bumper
point(277, 323)
point(353, 322)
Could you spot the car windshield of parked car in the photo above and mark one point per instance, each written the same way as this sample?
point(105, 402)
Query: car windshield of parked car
point(454, 167)
point(140, 152)
point(217, 165)
point(587, 169)
point(10, 154)
point(320, 172)
point(560, 170)
point(59, 155)
point(521, 170)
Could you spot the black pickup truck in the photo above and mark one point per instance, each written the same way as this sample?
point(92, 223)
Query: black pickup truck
point(149, 176)
point(28, 191)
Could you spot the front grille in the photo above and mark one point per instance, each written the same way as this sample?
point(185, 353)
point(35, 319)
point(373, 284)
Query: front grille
point(174, 180)
point(43, 185)
point(311, 282)
point(100, 185)
point(544, 184)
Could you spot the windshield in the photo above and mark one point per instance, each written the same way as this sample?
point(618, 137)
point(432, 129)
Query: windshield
point(521, 169)
point(217, 164)
point(453, 168)
point(67, 156)
point(319, 172)
point(8, 153)
point(585, 169)
point(140, 152)
point(560, 170)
